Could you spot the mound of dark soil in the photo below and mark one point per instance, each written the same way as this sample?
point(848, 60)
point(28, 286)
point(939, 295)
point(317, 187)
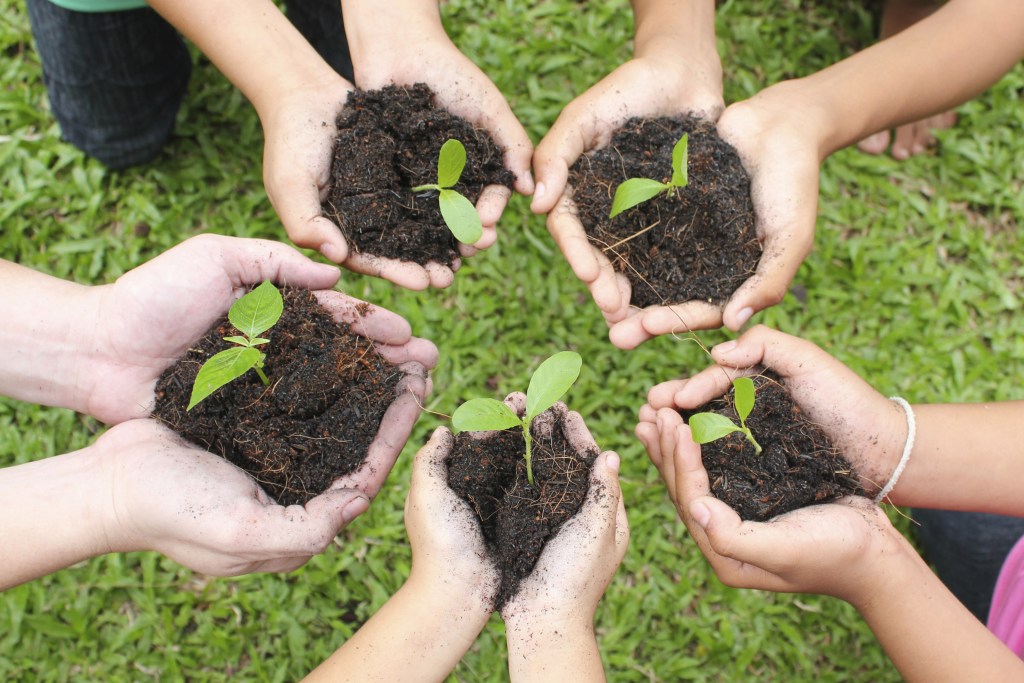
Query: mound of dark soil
point(388, 142)
point(329, 390)
point(696, 244)
point(517, 518)
point(798, 466)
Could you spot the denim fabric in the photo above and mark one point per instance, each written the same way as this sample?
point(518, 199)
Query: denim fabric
point(968, 550)
point(116, 79)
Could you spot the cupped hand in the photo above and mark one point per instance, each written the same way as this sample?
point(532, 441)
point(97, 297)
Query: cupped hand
point(142, 323)
point(419, 51)
point(578, 563)
point(203, 512)
point(868, 429)
point(834, 549)
point(448, 552)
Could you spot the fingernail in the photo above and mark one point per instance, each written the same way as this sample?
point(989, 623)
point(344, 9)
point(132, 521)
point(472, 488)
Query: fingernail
point(538, 190)
point(613, 462)
point(701, 514)
point(726, 347)
point(329, 251)
point(743, 316)
point(354, 508)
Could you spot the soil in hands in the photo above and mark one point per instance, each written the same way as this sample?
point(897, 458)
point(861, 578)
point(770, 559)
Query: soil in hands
point(517, 518)
point(329, 390)
point(696, 243)
point(388, 142)
point(798, 466)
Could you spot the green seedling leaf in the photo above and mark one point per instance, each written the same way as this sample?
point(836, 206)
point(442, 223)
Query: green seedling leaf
point(460, 216)
point(483, 414)
point(635, 191)
point(680, 176)
point(225, 366)
point(550, 381)
point(257, 311)
point(450, 163)
point(258, 340)
point(743, 395)
point(241, 341)
point(708, 427)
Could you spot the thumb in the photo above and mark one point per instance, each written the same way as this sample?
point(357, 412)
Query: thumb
point(779, 262)
point(559, 149)
point(297, 203)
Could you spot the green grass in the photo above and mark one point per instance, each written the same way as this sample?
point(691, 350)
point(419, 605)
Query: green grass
point(913, 282)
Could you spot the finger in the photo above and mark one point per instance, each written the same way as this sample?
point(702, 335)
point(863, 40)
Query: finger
point(577, 433)
point(599, 511)
point(490, 206)
point(783, 252)
point(251, 261)
point(420, 352)
point(668, 422)
point(274, 531)
point(663, 395)
point(681, 318)
point(647, 432)
point(440, 276)
point(567, 231)
point(761, 345)
point(367, 320)
point(403, 273)
point(557, 152)
point(647, 413)
point(429, 472)
point(296, 199)
point(544, 424)
point(517, 402)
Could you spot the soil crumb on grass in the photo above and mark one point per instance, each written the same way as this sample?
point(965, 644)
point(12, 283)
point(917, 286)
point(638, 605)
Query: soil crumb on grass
point(388, 142)
point(329, 390)
point(697, 243)
point(798, 466)
point(518, 519)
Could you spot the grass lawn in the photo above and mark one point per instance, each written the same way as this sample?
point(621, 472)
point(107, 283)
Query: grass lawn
point(913, 282)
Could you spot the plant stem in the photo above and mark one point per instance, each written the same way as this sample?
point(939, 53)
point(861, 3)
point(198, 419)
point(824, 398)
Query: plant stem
point(751, 439)
point(529, 441)
point(259, 371)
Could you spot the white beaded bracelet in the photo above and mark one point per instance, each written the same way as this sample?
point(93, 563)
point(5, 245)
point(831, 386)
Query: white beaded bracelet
point(909, 446)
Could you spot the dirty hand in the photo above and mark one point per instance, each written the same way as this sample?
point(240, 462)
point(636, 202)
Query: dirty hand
point(868, 429)
point(830, 549)
point(138, 326)
point(416, 49)
point(448, 552)
point(166, 495)
point(645, 87)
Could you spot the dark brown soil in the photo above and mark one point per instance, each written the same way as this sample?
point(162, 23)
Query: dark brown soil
point(698, 244)
point(518, 519)
point(388, 142)
point(798, 466)
point(329, 390)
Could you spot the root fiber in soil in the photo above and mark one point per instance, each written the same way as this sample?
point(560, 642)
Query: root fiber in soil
point(388, 142)
point(798, 466)
point(329, 390)
point(698, 242)
point(518, 519)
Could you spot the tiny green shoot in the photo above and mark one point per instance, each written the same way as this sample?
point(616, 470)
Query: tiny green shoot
point(549, 383)
point(252, 315)
point(707, 427)
point(635, 191)
point(458, 212)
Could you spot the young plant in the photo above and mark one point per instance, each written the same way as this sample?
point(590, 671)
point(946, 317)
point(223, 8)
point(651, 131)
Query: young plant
point(635, 191)
point(458, 212)
point(252, 315)
point(549, 383)
point(707, 427)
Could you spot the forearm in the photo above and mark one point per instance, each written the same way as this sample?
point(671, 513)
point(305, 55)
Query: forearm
point(667, 27)
point(553, 652)
point(252, 43)
point(934, 65)
point(927, 633)
point(388, 31)
point(51, 520)
point(44, 336)
point(420, 634)
point(965, 457)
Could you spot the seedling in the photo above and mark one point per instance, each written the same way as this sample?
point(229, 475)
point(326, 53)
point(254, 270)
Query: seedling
point(549, 383)
point(458, 212)
point(252, 315)
point(635, 191)
point(707, 427)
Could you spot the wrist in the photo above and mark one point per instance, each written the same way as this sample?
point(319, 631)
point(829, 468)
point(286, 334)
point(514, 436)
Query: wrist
point(791, 106)
point(461, 607)
point(405, 22)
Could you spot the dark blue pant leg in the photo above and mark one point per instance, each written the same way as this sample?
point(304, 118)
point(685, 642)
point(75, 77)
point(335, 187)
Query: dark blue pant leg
point(968, 550)
point(115, 80)
point(320, 22)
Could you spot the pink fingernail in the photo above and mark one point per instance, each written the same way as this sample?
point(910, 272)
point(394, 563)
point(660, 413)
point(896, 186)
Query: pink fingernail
point(354, 508)
point(743, 316)
point(701, 514)
point(726, 347)
point(613, 462)
point(538, 190)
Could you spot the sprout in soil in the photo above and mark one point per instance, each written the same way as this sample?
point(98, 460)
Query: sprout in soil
point(707, 427)
point(635, 191)
point(458, 212)
point(252, 315)
point(549, 383)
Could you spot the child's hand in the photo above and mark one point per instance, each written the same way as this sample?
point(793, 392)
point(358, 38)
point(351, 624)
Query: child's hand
point(448, 553)
point(867, 428)
point(837, 549)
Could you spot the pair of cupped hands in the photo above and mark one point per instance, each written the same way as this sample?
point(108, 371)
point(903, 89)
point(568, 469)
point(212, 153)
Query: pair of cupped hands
point(783, 166)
